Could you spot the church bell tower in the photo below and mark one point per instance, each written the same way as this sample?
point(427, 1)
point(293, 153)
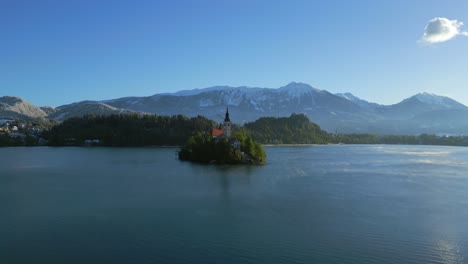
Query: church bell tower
point(227, 124)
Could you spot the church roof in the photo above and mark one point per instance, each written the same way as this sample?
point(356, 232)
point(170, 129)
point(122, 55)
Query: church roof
point(216, 132)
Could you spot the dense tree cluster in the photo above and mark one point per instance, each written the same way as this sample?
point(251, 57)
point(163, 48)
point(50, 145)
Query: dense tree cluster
point(423, 139)
point(128, 130)
point(251, 148)
point(7, 141)
point(204, 148)
point(296, 129)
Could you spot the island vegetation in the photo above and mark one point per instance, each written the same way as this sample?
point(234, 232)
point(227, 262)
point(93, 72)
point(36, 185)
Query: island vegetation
point(205, 148)
point(221, 146)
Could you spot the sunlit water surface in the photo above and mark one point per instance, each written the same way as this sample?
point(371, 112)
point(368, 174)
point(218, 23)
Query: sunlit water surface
point(314, 204)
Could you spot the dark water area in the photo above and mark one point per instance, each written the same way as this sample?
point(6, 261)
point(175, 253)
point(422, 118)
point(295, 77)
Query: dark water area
point(313, 204)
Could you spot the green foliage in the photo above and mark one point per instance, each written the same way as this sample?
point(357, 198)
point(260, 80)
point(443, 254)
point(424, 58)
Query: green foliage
point(154, 130)
point(296, 129)
point(252, 149)
point(7, 141)
point(356, 139)
point(423, 139)
point(202, 147)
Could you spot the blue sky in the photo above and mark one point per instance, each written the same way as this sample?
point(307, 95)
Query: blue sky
point(58, 52)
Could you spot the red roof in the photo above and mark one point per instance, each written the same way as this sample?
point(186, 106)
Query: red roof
point(216, 132)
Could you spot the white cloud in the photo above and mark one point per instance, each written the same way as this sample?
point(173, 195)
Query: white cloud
point(441, 29)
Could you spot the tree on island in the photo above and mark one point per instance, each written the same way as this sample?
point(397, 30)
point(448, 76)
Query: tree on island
point(204, 148)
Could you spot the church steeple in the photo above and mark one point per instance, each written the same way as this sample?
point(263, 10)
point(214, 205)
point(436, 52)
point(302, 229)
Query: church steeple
point(226, 118)
point(227, 124)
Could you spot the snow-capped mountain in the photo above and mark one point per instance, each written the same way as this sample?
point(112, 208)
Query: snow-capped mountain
point(343, 113)
point(15, 107)
point(84, 108)
point(362, 103)
point(419, 104)
point(244, 89)
point(436, 101)
point(247, 104)
point(333, 112)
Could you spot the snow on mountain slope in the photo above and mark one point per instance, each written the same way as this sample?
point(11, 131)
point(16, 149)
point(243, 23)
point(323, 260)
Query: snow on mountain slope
point(16, 107)
point(418, 104)
point(362, 103)
point(432, 99)
point(84, 108)
point(243, 89)
point(349, 96)
point(296, 90)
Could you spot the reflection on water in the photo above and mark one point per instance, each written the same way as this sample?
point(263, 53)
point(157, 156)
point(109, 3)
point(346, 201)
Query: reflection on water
point(448, 252)
point(314, 204)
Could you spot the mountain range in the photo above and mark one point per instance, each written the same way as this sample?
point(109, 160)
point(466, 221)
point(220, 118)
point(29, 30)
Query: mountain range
point(342, 113)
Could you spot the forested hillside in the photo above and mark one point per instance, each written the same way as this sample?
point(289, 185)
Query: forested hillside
point(154, 130)
point(128, 130)
point(296, 129)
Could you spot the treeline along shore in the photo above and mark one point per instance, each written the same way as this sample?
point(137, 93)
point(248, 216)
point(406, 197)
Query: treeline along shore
point(136, 130)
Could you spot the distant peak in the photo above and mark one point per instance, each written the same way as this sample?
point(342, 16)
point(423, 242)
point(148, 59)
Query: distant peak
point(426, 94)
point(297, 89)
point(294, 83)
point(297, 85)
point(426, 97)
point(433, 99)
point(11, 99)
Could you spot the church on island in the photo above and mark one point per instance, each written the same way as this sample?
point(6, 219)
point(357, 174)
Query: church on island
point(226, 132)
point(222, 147)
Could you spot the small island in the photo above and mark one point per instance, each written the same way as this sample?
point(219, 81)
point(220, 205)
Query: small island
point(220, 147)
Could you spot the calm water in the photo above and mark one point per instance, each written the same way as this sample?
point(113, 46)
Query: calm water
point(317, 204)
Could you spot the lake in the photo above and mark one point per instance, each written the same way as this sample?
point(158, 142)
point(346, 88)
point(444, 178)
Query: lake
point(309, 204)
